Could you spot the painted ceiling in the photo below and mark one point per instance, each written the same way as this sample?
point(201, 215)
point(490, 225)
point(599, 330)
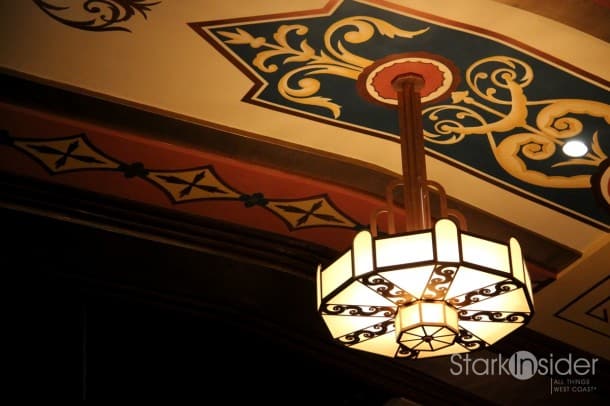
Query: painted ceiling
point(283, 119)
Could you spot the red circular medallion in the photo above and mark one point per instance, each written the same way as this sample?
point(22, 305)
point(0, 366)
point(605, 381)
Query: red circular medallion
point(441, 77)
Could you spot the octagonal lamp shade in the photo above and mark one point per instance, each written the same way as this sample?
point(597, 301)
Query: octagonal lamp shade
point(426, 293)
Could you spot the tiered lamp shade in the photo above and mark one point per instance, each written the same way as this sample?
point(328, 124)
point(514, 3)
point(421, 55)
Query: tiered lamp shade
point(426, 293)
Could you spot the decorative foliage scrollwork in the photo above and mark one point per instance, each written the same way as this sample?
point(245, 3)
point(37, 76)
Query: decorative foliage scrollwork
point(487, 292)
point(299, 84)
point(355, 310)
point(493, 316)
point(469, 340)
point(501, 81)
point(406, 352)
point(439, 282)
point(387, 289)
point(96, 15)
point(367, 333)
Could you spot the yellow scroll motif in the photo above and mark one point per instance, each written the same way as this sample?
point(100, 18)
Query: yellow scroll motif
point(335, 60)
point(494, 77)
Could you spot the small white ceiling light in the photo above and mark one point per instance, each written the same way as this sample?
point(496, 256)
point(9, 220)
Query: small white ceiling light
point(575, 149)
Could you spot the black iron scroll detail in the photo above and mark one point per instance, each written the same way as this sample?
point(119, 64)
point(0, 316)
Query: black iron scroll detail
point(406, 352)
point(484, 315)
point(468, 340)
point(387, 289)
point(356, 310)
point(96, 15)
point(487, 292)
point(367, 333)
point(439, 282)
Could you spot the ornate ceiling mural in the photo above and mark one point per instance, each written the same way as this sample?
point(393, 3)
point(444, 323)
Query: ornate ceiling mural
point(280, 117)
point(96, 15)
point(493, 107)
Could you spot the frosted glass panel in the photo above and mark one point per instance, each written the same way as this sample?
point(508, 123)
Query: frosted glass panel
point(490, 332)
point(358, 294)
point(437, 344)
point(486, 253)
point(337, 273)
point(517, 260)
point(418, 331)
point(447, 248)
point(342, 325)
point(513, 301)
point(408, 316)
point(383, 345)
point(452, 349)
point(444, 334)
point(451, 317)
point(468, 279)
point(404, 249)
point(412, 280)
point(433, 312)
point(363, 253)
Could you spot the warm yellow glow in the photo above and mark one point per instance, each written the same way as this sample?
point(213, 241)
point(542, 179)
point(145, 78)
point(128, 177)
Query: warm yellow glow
point(485, 253)
point(407, 316)
point(363, 253)
point(404, 249)
point(382, 345)
point(474, 293)
point(358, 294)
point(451, 317)
point(426, 325)
point(452, 349)
point(513, 301)
point(337, 273)
point(447, 248)
point(341, 325)
point(465, 277)
point(411, 280)
point(517, 260)
point(490, 331)
point(433, 311)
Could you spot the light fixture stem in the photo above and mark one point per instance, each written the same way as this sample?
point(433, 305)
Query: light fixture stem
point(416, 201)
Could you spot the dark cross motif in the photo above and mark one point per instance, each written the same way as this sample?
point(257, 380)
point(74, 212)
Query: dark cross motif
point(308, 213)
point(253, 200)
point(64, 155)
point(133, 170)
point(191, 184)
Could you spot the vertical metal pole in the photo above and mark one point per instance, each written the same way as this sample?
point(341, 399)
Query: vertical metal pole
point(416, 200)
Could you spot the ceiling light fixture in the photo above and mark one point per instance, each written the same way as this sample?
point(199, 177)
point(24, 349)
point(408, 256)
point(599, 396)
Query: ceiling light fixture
point(575, 149)
point(433, 289)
